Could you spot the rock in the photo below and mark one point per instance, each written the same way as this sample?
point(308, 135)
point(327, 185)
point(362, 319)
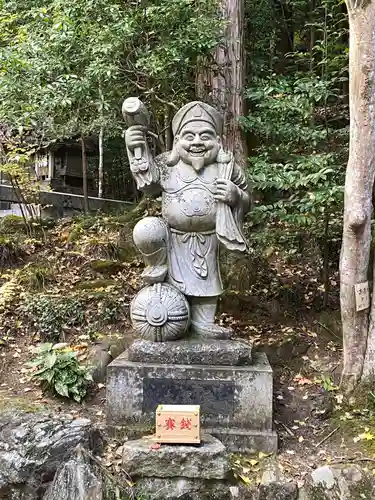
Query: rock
point(206, 461)
point(187, 489)
point(280, 354)
point(104, 351)
point(324, 476)
point(342, 481)
point(274, 485)
point(109, 267)
point(32, 447)
point(77, 479)
point(278, 491)
point(95, 284)
point(99, 358)
point(271, 472)
point(200, 489)
point(192, 352)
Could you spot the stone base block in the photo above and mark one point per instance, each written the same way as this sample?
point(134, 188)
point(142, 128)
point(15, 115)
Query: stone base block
point(192, 352)
point(245, 441)
point(177, 488)
point(236, 401)
point(209, 460)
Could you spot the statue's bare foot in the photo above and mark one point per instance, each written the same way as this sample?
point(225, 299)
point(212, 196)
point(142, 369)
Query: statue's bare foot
point(154, 274)
point(210, 331)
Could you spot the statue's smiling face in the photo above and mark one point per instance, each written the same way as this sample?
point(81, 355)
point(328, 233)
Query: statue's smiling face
point(198, 144)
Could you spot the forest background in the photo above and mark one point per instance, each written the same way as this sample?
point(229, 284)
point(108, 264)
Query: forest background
point(67, 65)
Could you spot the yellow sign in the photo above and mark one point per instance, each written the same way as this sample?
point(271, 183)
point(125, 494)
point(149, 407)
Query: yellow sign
point(179, 424)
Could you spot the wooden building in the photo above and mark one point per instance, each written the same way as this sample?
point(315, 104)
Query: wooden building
point(59, 165)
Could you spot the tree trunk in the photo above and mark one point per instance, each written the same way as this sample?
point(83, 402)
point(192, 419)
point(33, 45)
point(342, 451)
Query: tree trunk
point(101, 137)
point(358, 188)
point(326, 262)
point(312, 35)
point(221, 83)
point(101, 164)
point(84, 176)
point(168, 128)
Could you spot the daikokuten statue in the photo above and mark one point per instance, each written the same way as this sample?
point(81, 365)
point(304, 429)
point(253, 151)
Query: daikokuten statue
point(204, 200)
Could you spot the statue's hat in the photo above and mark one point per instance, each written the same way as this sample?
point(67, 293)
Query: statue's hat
point(197, 111)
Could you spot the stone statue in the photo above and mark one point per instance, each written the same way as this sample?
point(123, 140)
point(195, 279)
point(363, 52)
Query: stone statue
point(204, 200)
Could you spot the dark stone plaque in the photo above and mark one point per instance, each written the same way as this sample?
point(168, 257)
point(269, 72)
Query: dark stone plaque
point(214, 397)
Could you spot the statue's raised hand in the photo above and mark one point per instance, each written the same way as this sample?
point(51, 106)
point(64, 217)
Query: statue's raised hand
point(227, 192)
point(135, 137)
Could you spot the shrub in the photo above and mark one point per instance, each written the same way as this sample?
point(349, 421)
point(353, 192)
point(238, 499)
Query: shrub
point(52, 313)
point(10, 251)
point(12, 224)
point(59, 371)
point(34, 277)
point(101, 247)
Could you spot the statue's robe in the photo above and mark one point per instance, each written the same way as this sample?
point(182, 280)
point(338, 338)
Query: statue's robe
point(189, 210)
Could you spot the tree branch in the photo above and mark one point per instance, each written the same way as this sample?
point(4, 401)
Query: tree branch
point(151, 92)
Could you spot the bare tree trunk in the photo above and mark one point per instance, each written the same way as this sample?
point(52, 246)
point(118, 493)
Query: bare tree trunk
point(84, 176)
point(168, 128)
point(312, 35)
point(222, 82)
point(101, 164)
point(101, 137)
point(326, 262)
point(358, 188)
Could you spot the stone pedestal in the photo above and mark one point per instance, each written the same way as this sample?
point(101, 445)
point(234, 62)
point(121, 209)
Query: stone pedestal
point(233, 387)
point(195, 472)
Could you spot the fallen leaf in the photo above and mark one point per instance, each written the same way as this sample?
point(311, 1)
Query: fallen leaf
point(366, 436)
point(302, 380)
point(245, 479)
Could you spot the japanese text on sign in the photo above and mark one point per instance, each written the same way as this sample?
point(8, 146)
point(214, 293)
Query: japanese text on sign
point(185, 423)
point(362, 296)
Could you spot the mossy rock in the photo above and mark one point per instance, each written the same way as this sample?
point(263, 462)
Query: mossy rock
point(147, 206)
point(103, 266)
point(75, 234)
point(95, 284)
point(12, 224)
point(339, 481)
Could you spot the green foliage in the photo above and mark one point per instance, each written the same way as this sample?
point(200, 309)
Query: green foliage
point(11, 224)
point(9, 295)
point(104, 246)
point(109, 310)
point(51, 314)
point(328, 384)
point(79, 58)
point(300, 165)
point(10, 251)
point(58, 370)
point(94, 236)
point(34, 276)
point(15, 165)
point(298, 123)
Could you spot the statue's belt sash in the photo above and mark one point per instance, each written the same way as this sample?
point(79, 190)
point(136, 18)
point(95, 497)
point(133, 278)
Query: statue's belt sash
point(199, 248)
